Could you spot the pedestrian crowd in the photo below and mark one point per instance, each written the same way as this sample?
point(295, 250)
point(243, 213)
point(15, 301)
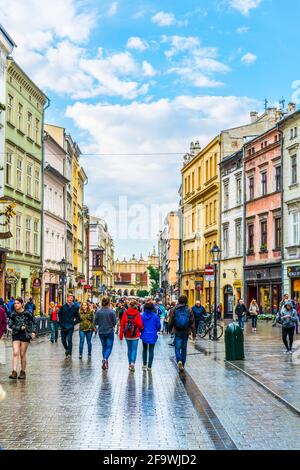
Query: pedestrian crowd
point(131, 321)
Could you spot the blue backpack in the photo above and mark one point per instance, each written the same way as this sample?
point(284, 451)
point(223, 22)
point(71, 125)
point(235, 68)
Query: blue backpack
point(182, 318)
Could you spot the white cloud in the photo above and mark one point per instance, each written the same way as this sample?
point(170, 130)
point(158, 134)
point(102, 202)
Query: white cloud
point(249, 58)
point(113, 9)
point(244, 6)
point(242, 30)
point(146, 128)
point(137, 43)
point(148, 70)
point(196, 65)
point(167, 19)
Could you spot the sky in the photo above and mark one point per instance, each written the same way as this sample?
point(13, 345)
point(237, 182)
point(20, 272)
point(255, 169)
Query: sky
point(136, 81)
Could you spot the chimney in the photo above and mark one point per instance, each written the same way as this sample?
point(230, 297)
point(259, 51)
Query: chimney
point(291, 108)
point(253, 116)
point(278, 115)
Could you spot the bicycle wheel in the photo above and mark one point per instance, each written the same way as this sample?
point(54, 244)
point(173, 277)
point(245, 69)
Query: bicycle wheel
point(202, 332)
point(220, 330)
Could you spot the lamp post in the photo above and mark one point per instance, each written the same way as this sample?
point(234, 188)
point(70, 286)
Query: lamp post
point(215, 256)
point(63, 277)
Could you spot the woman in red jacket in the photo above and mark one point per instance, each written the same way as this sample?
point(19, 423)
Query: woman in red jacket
point(130, 327)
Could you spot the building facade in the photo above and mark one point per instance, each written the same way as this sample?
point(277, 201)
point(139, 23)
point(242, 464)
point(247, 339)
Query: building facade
point(262, 160)
point(23, 183)
point(131, 276)
point(101, 258)
point(168, 255)
point(6, 48)
point(290, 129)
point(54, 223)
point(232, 230)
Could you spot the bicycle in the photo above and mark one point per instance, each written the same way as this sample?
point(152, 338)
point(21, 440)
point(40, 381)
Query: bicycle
point(207, 328)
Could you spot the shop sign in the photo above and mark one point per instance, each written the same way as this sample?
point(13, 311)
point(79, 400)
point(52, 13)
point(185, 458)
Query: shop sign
point(293, 271)
point(36, 284)
point(209, 278)
point(87, 287)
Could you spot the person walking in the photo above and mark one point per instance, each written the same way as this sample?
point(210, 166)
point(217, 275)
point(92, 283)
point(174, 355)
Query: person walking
point(287, 316)
point(240, 313)
point(106, 320)
point(199, 315)
point(162, 315)
point(254, 310)
point(149, 334)
point(23, 326)
point(68, 316)
point(182, 322)
point(3, 321)
point(53, 317)
point(11, 305)
point(30, 306)
point(86, 328)
point(130, 328)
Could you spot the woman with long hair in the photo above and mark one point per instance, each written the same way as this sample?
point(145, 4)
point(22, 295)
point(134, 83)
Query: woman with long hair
point(53, 316)
point(254, 311)
point(86, 328)
point(23, 326)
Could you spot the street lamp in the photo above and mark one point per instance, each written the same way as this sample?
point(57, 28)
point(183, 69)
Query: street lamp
point(63, 277)
point(216, 257)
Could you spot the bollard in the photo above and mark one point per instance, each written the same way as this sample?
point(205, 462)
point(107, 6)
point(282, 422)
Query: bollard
point(234, 343)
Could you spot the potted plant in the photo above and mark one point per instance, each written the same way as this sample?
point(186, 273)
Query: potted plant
point(250, 251)
point(263, 248)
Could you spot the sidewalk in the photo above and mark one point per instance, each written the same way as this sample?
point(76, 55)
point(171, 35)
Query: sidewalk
point(265, 360)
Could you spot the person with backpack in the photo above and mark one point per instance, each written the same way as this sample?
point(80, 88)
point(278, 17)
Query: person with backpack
point(105, 318)
point(130, 328)
point(149, 334)
point(199, 314)
point(29, 306)
point(287, 317)
point(182, 322)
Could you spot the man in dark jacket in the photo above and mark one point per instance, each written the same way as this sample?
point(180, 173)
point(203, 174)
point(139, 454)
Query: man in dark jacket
point(68, 316)
point(240, 313)
point(182, 322)
point(199, 314)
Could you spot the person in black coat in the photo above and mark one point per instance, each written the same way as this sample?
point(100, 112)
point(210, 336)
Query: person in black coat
point(68, 316)
point(240, 313)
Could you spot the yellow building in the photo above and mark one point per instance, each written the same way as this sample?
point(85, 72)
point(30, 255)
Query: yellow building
point(200, 209)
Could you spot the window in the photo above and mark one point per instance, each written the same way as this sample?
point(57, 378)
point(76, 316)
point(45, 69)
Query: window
point(238, 238)
point(19, 174)
point(206, 215)
point(18, 232)
point(253, 151)
point(263, 183)
point(277, 237)
point(215, 163)
point(29, 179)
point(199, 176)
point(10, 108)
point(225, 241)
point(210, 213)
point(206, 171)
point(189, 184)
point(215, 211)
point(210, 167)
point(27, 234)
point(36, 238)
point(20, 116)
point(9, 168)
point(295, 228)
point(193, 181)
point(291, 134)
point(295, 132)
point(264, 234)
point(37, 131)
point(193, 222)
point(226, 195)
point(37, 184)
point(277, 178)
point(251, 188)
point(251, 237)
point(29, 124)
point(294, 176)
point(238, 191)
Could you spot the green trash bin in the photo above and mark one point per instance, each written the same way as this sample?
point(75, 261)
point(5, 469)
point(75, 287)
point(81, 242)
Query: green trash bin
point(234, 343)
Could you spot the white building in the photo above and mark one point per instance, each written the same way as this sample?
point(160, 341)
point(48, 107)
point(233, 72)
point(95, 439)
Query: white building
point(55, 226)
point(290, 126)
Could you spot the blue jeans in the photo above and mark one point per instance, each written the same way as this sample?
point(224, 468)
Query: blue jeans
point(132, 346)
point(107, 342)
point(181, 342)
point(241, 321)
point(67, 339)
point(54, 331)
point(254, 321)
point(88, 336)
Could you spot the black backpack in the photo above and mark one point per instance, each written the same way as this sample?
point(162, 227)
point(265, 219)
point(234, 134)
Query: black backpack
point(130, 326)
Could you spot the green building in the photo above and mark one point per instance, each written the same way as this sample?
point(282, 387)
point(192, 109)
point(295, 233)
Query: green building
point(23, 184)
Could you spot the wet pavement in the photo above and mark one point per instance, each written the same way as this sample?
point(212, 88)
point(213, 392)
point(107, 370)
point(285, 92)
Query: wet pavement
point(73, 404)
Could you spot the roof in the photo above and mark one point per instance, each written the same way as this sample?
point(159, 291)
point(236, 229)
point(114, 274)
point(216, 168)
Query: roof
point(9, 39)
point(56, 173)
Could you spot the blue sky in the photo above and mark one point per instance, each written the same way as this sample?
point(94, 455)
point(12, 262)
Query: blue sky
point(129, 77)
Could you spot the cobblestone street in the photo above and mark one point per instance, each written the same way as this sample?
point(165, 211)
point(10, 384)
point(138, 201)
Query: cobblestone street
point(73, 404)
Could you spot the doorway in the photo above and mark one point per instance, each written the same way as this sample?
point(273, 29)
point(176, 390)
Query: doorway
point(228, 302)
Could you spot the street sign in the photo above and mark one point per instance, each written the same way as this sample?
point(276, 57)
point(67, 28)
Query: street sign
point(209, 278)
point(209, 270)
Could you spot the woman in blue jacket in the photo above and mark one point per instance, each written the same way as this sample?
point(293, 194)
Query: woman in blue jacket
point(149, 334)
